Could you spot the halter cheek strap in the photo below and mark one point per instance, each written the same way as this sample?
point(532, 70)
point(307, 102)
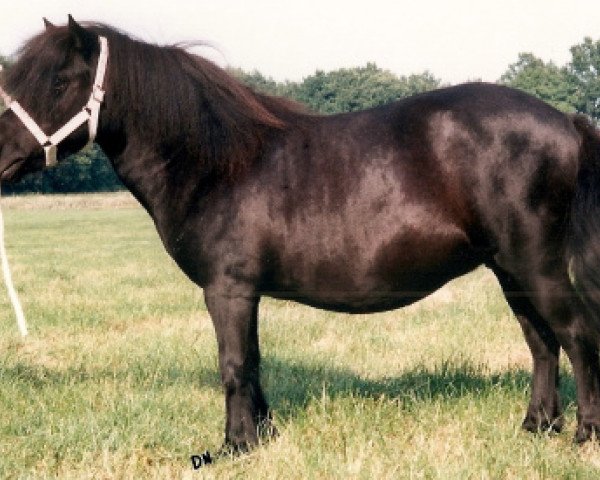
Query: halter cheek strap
point(90, 112)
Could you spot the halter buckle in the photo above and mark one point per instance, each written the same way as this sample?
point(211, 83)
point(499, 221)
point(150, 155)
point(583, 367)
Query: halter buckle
point(98, 94)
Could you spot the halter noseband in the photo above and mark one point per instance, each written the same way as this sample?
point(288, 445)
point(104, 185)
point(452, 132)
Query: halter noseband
point(89, 113)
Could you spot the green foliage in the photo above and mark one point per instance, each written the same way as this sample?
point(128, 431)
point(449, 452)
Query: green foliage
point(574, 87)
point(544, 80)
point(257, 81)
point(4, 62)
point(585, 69)
point(351, 89)
point(346, 89)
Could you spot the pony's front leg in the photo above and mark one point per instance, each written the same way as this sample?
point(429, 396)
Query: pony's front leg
point(235, 321)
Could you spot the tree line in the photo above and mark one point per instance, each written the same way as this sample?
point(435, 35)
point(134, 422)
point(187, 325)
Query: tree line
point(574, 87)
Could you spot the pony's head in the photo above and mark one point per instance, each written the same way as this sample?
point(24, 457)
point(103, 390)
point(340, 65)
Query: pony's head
point(51, 81)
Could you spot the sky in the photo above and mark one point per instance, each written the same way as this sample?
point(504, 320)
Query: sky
point(456, 40)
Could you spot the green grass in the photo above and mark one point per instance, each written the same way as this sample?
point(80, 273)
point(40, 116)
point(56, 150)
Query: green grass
point(118, 378)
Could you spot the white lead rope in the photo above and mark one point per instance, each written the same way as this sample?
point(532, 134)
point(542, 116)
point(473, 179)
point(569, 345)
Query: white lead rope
point(12, 293)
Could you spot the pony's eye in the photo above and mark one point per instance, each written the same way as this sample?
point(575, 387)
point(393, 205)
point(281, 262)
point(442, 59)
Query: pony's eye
point(59, 85)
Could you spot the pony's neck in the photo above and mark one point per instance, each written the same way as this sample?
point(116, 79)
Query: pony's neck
point(174, 120)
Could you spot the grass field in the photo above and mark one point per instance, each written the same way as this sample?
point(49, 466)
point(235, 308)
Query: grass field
point(119, 379)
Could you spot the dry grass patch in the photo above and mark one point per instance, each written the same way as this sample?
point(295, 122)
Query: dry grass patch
point(72, 201)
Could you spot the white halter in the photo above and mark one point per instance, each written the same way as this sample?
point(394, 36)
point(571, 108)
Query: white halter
point(89, 113)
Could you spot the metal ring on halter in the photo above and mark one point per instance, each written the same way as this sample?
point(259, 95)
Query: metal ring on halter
point(51, 152)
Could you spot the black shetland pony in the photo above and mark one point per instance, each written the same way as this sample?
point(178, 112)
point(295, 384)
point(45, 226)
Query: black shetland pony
point(360, 212)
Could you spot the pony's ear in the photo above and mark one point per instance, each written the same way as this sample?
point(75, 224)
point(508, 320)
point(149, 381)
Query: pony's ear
point(84, 40)
point(48, 24)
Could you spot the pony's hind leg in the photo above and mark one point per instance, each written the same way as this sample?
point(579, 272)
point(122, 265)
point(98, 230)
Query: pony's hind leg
point(544, 412)
point(557, 303)
point(581, 346)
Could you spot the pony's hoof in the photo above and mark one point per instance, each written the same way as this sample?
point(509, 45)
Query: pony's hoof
point(540, 424)
point(585, 431)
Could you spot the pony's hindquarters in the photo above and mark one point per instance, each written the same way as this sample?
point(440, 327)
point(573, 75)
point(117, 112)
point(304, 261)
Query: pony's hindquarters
point(562, 237)
point(583, 240)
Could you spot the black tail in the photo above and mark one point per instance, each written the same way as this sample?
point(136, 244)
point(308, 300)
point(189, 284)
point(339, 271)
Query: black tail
point(583, 244)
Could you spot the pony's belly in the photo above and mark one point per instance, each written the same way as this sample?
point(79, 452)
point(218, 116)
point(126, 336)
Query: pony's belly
point(372, 286)
point(352, 303)
point(368, 296)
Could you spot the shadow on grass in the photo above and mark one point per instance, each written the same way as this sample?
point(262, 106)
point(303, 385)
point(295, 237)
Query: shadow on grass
point(290, 385)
